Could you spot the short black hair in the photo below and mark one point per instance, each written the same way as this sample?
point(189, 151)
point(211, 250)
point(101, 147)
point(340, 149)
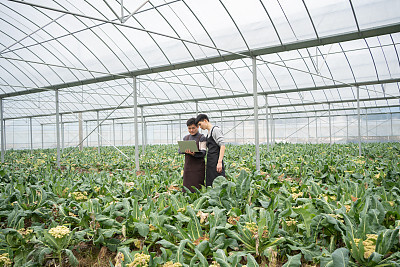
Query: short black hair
point(201, 117)
point(191, 121)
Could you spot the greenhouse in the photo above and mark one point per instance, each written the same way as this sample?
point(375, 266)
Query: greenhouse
point(305, 92)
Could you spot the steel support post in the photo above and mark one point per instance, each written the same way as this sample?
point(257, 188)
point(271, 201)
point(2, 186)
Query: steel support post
point(80, 132)
point(167, 133)
point(30, 133)
point(2, 130)
point(255, 99)
point(347, 129)
point(98, 132)
point(145, 133)
point(172, 132)
point(308, 130)
point(197, 108)
point(113, 127)
point(330, 125)
point(316, 128)
point(135, 109)
point(122, 134)
point(58, 128)
point(62, 133)
point(222, 127)
point(41, 127)
point(180, 127)
point(359, 121)
point(391, 124)
point(234, 129)
point(243, 132)
point(142, 120)
point(273, 128)
point(267, 120)
point(366, 123)
point(87, 131)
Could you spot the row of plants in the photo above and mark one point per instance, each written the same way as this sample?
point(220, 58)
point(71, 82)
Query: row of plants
point(310, 205)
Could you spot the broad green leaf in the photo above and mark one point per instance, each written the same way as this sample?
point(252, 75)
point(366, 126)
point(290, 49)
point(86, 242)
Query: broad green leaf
point(251, 262)
point(340, 257)
point(71, 257)
point(128, 258)
point(293, 261)
point(142, 228)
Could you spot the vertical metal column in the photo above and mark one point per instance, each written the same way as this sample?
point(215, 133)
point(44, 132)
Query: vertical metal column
point(366, 123)
point(255, 100)
point(145, 133)
point(80, 132)
point(136, 124)
point(98, 132)
point(267, 120)
point(87, 138)
point(62, 133)
point(347, 129)
point(180, 127)
point(142, 119)
point(197, 108)
point(172, 132)
point(391, 124)
point(221, 123)
point(359, 121)
point(243, 131)
point(58, 128)
point(316, 128)
point(30, 133)
point(122, 134)
point(2, 130)
point(41, 126)
point(167, 134)
point(273, 128)
point(234, 129)
point(113, 126)
point(308, 129)
point(330, 125)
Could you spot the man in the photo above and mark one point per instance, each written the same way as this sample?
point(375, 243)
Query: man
point(216, 149)
point(193, 170)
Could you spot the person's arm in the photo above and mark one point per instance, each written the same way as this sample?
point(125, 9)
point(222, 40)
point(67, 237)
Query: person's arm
point(219, 139)
point(202, 148)
point(221, 157)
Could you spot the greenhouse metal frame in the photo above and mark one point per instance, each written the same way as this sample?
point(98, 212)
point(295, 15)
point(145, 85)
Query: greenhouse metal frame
point(158, 62)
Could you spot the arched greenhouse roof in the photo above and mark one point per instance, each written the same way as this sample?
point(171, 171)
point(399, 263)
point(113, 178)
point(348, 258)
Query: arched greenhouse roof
point(310, 56)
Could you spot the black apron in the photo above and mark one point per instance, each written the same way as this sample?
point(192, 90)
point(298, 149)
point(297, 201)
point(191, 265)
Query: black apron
point(212, 160)
point(193, 171)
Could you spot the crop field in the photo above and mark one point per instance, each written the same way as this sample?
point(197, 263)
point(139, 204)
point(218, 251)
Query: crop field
point(311, 205)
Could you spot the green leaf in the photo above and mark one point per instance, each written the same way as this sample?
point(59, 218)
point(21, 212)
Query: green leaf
point(179, 254)
point(293, 261)
point(251, 262)
point(194, 225)
point(128, 258)
point(71, 257)
point(340, 257)
point(200, 256)
point(142, 228)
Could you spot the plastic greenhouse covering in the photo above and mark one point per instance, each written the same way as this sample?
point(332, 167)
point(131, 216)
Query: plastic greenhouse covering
point(189, 57)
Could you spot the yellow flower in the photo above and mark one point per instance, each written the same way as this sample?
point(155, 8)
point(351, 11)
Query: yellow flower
point(24, 232)
point(291, 222)
point(171, 264)
point(295, 196)
point(80, 196)
point(140, 260)
point(59, 231)
point(5, 260)
point(214, 264)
